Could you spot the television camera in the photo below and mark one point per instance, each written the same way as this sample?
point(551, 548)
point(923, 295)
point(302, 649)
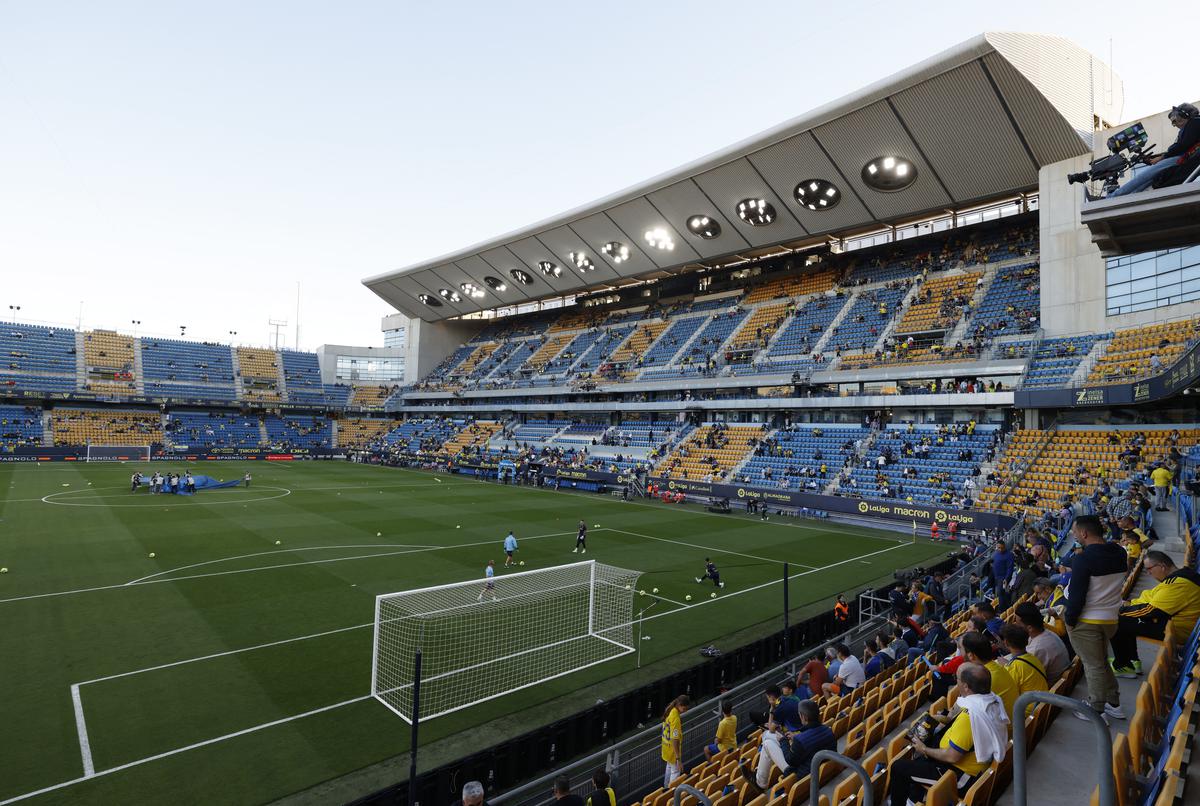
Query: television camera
point(1128, 148)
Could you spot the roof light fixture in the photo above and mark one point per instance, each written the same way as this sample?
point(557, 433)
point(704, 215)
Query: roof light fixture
point(429, 300)
point(471, 290)
point(889, 173)
point(549, 269)
point(704, 226)
point(521, 276)
point(817, 194)
point(616, 251)
point(446, 293)
point(756, 212)
point(659, 238)
point(582, 262)
point(495, 283)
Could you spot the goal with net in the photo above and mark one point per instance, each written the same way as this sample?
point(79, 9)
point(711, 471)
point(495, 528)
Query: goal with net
point(118, 453)
point(539, 625)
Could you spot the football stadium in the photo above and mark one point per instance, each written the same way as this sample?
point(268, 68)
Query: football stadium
point(852, 463)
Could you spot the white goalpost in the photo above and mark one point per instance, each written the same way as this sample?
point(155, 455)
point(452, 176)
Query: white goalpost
point(117, 453)
point(477, 644)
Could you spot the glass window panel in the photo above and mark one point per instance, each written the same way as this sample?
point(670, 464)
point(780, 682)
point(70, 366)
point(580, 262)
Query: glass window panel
point(1142, 296)
point(1142, 269)
point(1189, 296)
point(1169, 260)
point(1164, 292)
point(1142, 306)
point(1169, 277)
point(1119, 289)
point(1118, 274)
point(1145, 284)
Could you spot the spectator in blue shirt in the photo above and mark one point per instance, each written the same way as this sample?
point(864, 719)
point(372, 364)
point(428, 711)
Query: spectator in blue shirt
point(790, 751)
point(784, 710)
point(1002, 569)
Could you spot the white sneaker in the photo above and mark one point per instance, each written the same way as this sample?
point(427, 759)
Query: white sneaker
point(583, 552)
point(575, 550)
point(1083, 717)
point(698, 580)
point(1113, 711)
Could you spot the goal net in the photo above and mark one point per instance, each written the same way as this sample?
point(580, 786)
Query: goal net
point(477, 643)
point(118, 453)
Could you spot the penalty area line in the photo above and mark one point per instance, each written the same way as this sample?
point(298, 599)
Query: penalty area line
point(178, 750)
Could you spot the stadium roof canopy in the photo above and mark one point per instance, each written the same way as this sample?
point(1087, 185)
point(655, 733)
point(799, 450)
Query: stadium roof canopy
point(970, 124)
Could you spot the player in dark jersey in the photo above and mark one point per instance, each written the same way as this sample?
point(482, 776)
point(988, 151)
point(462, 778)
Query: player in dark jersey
point(581, 539)
point(711, 572)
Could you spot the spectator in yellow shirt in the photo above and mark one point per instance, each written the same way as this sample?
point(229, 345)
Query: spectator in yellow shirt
point(672, 738)
point(1161, 477)
point(978, 649)
point(726, 738)
point(1174, 602)
point(1023, 666)
point(1133, 547)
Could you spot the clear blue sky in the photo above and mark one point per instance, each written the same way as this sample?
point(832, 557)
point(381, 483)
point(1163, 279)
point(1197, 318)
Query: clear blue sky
point(189, 163)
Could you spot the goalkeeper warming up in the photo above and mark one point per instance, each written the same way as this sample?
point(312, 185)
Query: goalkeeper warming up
point(581, 539)
point(510, 548)
point(711, 572)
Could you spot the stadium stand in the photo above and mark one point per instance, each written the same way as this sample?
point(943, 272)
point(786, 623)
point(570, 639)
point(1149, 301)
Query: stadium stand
point(1143, 351)
point(20, 426)
point(471, 438)
point(298, 431)
point(369, 397)
point(711, 452)
point(354, 432)
point(72, 426)
point(213, 429)
point(1012, 303)
point(1054, 361)
point(939, 303)
point(427, 435)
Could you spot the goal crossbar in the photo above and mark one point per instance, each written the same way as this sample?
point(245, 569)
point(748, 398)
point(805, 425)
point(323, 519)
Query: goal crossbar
point(480, 640)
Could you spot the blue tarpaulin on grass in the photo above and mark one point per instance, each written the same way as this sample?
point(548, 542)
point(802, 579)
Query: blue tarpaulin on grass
point(202, 483)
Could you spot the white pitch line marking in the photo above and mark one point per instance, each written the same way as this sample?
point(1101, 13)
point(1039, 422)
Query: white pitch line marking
point(269, 567)
point(284, 551)
point(85, 746)
point(178, 750)
point(706, 548)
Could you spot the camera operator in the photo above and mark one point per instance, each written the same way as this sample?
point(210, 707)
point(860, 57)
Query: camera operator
point(1186, 118)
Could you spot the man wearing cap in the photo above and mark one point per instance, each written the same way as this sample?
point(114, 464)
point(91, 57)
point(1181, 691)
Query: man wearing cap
point(1184, 117)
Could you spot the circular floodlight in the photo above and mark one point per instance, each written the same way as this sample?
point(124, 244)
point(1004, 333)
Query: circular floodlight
point(616, 251)
point(549, 269)
point(429, 300)
point(756, 212)
point(582, 262)
point(659, 238)
point(889, 173)
point(471, 290)
point(817, 194)
point(703, 226)
point(446, 293)
point(521, 276)
point(496, 284)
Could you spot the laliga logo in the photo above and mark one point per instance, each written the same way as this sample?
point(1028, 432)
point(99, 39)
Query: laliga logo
point(939, 516)
point(863, 506)
point(670, 485)
point(741, 492)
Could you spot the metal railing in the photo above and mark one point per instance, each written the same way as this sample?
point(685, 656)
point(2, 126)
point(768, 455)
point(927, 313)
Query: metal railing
point(1108, 790)
point(635, 763)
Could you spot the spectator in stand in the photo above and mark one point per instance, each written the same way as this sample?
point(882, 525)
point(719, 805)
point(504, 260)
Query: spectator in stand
point(603, 794)
point(814, 675)
point(790, 751)
point(1162, 477)
point(896, 644)
point(784, 710)
point(672, 739)
point(1092, 607)
point(563, 794)
point(1023, 666)
point(978, 649)
point(1044, 644)
point(977, 735)
point(985, 611)
point(934, 634)
point(1173, 602)
point(1002, 570)
point(726, 738)
point(472, 795)
point(850, 673)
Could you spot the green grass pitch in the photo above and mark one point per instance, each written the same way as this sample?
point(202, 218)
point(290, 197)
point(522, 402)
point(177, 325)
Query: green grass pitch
point(228, 668)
